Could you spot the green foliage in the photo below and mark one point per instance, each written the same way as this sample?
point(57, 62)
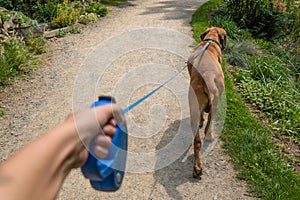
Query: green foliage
point(277, 103)
point(85, 19)
point(23, 20)
point(267, 77)
point(232, 29)
point(261, 17)
point(60, 13)
point(6, 4)
point(61, 33)
point(35, 44)
point(269, 82)
point(98, 8)
point(247, 141)
point(4, 16)
point(199, 21)
point(45, 12)
point(2, 113)
point(76, 30)
point(67, 14)
point(112, 2)
point(15, 59)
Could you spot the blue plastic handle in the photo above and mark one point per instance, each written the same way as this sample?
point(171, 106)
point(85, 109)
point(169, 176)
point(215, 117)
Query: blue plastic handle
point(107, 174)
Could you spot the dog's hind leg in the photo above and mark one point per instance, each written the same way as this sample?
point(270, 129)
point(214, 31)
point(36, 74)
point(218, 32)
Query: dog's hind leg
point(213, 101)
point(195, 123)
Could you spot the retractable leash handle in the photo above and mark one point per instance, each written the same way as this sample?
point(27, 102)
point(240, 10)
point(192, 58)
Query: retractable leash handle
point(107, 174)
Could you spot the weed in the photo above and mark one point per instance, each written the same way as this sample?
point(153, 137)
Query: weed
point(61, 33)
point(2, 113)
point(35, 44)
point(15, 59)
point(98, 8)
point(76, 30)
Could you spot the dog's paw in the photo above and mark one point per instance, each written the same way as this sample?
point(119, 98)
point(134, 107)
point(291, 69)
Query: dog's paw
point(197, 173)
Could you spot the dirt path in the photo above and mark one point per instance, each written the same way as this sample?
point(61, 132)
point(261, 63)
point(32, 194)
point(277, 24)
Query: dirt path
point(125, 55)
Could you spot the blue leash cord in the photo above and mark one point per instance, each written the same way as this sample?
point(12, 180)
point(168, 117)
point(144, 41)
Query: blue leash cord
point(130, 107)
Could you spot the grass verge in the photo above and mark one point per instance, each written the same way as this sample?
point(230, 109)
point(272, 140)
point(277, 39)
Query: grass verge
point(247, 141)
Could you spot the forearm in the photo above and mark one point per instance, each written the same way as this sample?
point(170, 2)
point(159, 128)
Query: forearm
point(39, 169)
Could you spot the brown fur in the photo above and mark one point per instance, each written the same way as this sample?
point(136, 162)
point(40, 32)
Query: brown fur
point(206, 87)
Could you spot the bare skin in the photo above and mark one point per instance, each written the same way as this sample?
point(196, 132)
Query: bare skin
point(38, 170)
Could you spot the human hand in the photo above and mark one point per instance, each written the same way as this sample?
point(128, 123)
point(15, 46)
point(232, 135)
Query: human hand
point(96, 126)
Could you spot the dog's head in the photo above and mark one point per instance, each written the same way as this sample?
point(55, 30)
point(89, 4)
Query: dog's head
point(215, 33)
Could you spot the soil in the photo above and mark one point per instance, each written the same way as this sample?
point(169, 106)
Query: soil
point(125, 54)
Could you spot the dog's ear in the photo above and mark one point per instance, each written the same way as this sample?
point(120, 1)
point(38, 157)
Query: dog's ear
point(202, 36)
point(222, 38)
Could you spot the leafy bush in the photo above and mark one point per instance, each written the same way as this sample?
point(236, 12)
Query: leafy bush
point(44, 12)
point(35, 44)
point(232, 29)
point(67, 14)
point(98, 8)
point(61, 33)
point(261, 17)
point(85, 19)
point(23, 20)
point(4, 16)
point(14, 59)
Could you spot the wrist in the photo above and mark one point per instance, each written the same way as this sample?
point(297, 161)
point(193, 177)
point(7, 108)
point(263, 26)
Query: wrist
point(71, 149)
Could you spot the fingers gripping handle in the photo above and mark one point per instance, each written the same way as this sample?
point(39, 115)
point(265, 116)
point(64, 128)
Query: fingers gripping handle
point(107, 174)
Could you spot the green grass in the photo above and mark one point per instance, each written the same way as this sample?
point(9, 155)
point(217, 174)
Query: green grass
point(247, 141)
point(199, 21)
point(112, 2)
point(253, 153)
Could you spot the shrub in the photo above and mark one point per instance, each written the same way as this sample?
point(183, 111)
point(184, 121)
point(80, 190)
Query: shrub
point(98, 8)
point(85, 19)
point(232, 30)
point(44, 12)
point(4, 16)
point(67, 14)
point(22, 19)
point(261, 17)
point(35, 44)
point(14, 59)
point(61, 33)
point(237, 50)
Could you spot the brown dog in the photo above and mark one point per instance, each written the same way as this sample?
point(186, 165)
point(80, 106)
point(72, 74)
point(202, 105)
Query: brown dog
point(206, 87)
